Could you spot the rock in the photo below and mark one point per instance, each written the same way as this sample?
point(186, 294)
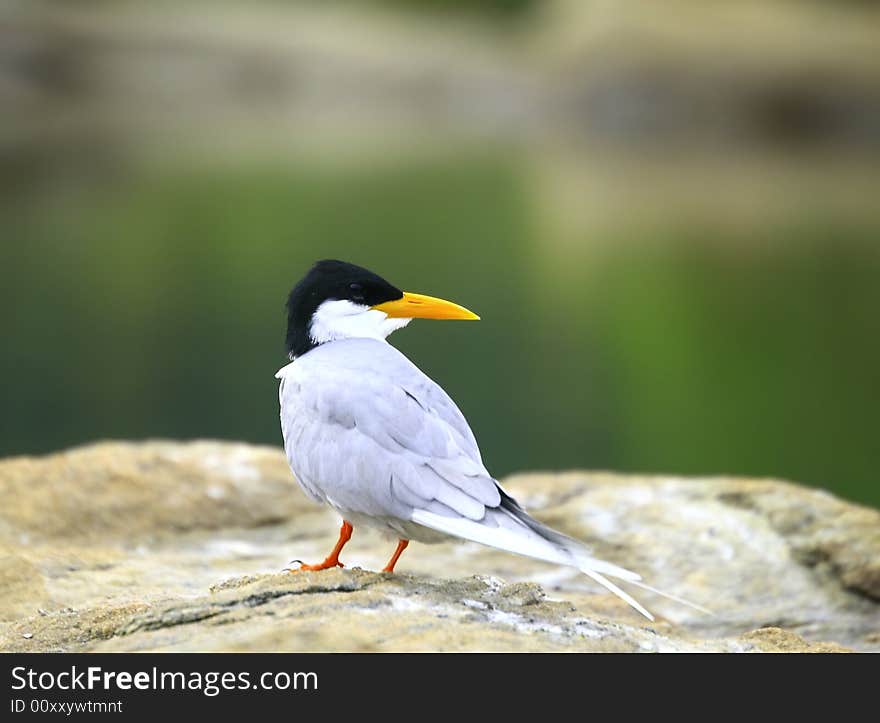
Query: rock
point(144, 491)
point(777, 640)
point(168, 546)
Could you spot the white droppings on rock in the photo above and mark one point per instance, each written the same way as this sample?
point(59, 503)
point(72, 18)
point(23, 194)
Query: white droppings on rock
point(522, 624)
point(405, 604)
point(586, 628)
point(215, 492)
point(476, 604)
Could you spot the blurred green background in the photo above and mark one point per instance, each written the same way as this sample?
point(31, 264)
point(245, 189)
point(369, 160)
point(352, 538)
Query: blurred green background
point(667, 219)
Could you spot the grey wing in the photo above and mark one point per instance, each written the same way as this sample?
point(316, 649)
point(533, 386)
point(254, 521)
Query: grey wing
point(432, 397)
point(382, 445)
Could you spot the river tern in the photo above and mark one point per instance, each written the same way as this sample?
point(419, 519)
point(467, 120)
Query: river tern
point(369, 434)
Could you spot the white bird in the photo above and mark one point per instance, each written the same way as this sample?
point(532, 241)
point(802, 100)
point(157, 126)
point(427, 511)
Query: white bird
point(366, 432)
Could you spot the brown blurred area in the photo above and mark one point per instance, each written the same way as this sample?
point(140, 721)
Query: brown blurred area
point(666, 214)
point(778, 93)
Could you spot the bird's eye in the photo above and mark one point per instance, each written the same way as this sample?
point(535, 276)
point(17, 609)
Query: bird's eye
point(357, 292)
point(356, 287)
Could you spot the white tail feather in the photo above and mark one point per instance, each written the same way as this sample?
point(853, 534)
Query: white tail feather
point(606, 568)
point(498, 537)
point(626, 597)
point(532, 545)
point(670, 596)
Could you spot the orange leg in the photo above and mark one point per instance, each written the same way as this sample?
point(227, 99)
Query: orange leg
point(333, 558)
point(401, 546)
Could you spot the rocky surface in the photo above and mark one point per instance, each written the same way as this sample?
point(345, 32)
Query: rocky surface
point(168, 546)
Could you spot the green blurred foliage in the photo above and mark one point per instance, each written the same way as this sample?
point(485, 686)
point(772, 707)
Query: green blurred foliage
point(761, 363)
point(155, 309)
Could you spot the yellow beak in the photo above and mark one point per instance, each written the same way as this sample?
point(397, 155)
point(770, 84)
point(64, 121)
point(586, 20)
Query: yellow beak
point(418, 306)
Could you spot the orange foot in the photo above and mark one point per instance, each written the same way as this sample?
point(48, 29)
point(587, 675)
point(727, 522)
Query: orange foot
point(327, 564)
point(333, 558)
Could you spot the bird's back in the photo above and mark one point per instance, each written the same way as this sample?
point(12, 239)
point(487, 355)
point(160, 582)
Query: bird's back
point(366, 431)
point(376, 364)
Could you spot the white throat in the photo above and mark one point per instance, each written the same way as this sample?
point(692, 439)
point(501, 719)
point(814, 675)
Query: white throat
point(342, 319)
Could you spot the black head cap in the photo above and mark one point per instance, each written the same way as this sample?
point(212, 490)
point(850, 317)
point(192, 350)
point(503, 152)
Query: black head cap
point(330, 279)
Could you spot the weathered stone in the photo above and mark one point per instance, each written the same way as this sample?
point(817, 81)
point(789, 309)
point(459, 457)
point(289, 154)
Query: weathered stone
point(166, 546)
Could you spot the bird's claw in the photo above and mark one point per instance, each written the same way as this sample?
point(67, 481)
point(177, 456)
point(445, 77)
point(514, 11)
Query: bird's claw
point(303, 567)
